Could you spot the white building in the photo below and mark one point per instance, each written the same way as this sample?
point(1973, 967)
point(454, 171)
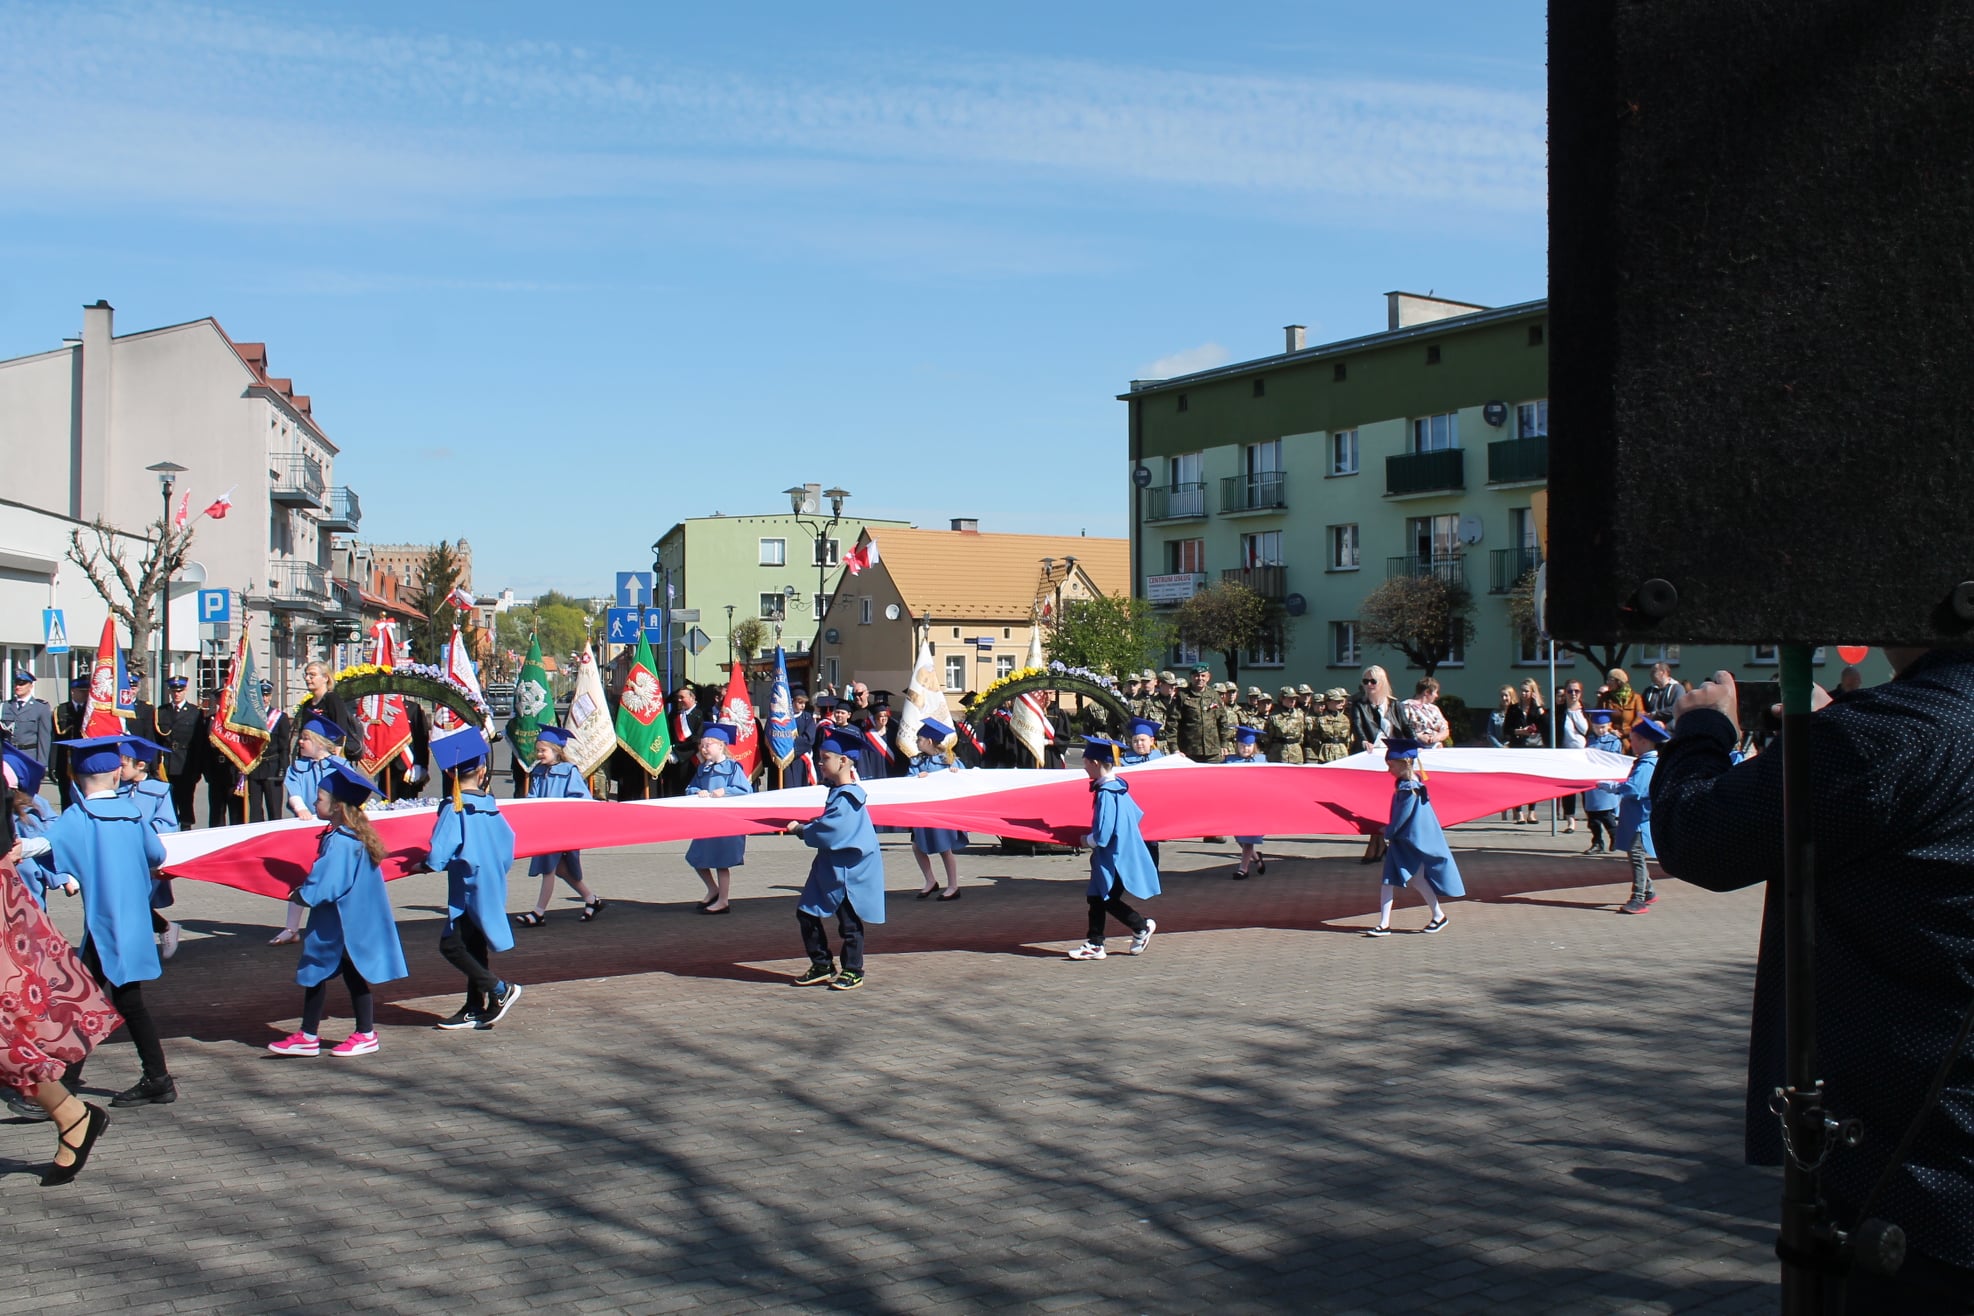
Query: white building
point(80, 424)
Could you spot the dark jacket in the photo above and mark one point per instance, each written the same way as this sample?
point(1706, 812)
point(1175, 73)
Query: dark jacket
point(182, 731)
point(1364, 721)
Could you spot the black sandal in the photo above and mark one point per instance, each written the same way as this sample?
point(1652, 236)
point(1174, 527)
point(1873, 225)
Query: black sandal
point(591, 908)
point(532, 919)
point(97, 1119)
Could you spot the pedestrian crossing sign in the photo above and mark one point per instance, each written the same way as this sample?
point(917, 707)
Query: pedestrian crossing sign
point(54, 631)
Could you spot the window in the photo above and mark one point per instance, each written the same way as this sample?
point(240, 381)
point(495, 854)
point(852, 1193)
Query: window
point(1185, 556)
point(1184, 654)
point(956, 671)
point(1521, 528)
point(1647, 654)
point(834, 678)
point(773, 606)
point(1182, 402)
point(1266, 648)
point(1261, 388)
point(1343, 452)
point(822, 606)
point(1535, 335)
point(1187, 496)
point(1764, 655)
point(1432, 354)
point(1456, 652)
point(1436, 433)
point(956, 632)
point(774, 552)
point(1339, 372)
point(1003, 665)
point(1434, 538)
point(1262, 550)
point(1531, 649)
point(1343, 644)
point(1007, 632)
point(1343, 548)
point(828, 552)
point(1264, 460)
point(1532, 419)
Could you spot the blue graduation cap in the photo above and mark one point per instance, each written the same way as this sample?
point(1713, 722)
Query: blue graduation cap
point(1651, 730)
point(95, 755)
point(461, 750)
point(345, 783)
point(144, 751)
point(28, 770)
point(1247, 735)
point(1600, 717)
point(553, 735)
point(934, 730)
point(842, 740)
point(1402, 747)
point(1143, 726)
point(1100, 749)
point(720, 731)
point(326, 727)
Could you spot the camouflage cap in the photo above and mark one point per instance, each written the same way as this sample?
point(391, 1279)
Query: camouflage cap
point(1304, 689)
point(1288, 692)
point(1336, 692)
point(1254, 692)
point(1168, 679)
point(1148, 675)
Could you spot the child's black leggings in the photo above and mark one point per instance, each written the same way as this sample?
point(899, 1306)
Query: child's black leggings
point(316, 997)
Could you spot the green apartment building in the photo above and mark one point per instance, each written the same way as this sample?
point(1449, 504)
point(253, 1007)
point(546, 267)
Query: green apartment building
point(1315, 475)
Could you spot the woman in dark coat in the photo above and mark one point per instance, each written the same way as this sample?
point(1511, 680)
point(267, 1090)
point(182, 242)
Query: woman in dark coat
point(1375, 717)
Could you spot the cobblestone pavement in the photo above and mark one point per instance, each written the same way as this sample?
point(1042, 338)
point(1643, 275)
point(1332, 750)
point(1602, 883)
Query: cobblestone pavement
point(1536, 1111)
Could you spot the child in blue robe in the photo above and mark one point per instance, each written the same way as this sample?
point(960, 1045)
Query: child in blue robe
point(31, 818)
point(1247, 750)
point(318, 749)
point(107, 843)
point(1634, 794)
point(140, 759)
point(1414, 844)
point(350, 927)
point(555, 778)
point(1141, 747)
point(474, 846)
point(1600, 806)
point(846, 878)
point(1120, 862)
point(715, 857)
point(935, 754)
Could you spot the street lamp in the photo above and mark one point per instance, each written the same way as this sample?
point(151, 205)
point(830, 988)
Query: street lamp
point(661, 574)
point(818, 530)
point(166, 472)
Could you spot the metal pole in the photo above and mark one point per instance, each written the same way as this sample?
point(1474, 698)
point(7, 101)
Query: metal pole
point(1802, 1285)
point(164, 629)
point(1555, 741)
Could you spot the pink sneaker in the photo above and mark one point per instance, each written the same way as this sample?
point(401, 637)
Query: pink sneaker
point(356, 1044)
point(296, 1044)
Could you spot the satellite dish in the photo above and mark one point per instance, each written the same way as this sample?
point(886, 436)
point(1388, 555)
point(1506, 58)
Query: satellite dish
point(1141, 476)
point(1495, 414)
point(832, 635)
point(1471, 528)
point(1295, 605)
point(890, 612)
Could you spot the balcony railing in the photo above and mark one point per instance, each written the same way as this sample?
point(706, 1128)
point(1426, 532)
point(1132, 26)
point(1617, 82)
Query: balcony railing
point(1509, 565)
point(1270, 582)
point(298, 480)
point(1516, 461)
point(344, 600)
point(344, 509)
point(297, 585)
point(1451, 569)
point(1254, 493)
point(1175, 502)
point(1426, 472)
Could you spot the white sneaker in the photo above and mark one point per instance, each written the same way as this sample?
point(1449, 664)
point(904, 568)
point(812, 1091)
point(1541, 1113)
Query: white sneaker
point(168, 943)
point(1089, 950)
point(1140, 940)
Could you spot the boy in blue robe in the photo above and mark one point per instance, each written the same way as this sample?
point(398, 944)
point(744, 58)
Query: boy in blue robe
point(1142, 742)
point(350, 927)
point(936, 754)
point(318, 749)
point(1119, 859)
point(107, 842)
point(1414, 844)
point(1634, 793)
point(715, 857)
point(474, 846)
point(846, 878)
point(1247, 750)
point(1600, 806)
point(555, 778)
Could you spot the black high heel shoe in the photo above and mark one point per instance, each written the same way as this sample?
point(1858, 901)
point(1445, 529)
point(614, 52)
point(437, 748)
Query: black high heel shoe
point(97, 1119)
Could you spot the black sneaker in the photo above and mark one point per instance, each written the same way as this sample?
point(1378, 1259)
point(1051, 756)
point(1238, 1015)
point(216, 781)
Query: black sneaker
point(160, 1091)
point(1635, 905)
point(1377, 932)
point(848, 981)
point(463, 1017)
point(497, 1008)
point(820, 973)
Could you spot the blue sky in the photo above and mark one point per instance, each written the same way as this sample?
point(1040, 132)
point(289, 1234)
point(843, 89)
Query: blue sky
point(557, 276)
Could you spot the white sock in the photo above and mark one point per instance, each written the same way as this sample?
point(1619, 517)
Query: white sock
point(1385, 894)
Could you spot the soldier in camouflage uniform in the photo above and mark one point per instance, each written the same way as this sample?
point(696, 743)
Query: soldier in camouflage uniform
point(1163, 710)
point(1252, 713)
point(1285, 729)
point(1229, 711)
point(1196, 710)
point(1329, 737)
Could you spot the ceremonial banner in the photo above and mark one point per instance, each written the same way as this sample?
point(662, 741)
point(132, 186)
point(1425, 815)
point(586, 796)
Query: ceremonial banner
point(1027, 717)
point(534, 704)
point(642, 727)
point(781, 715)
point(592, 738)
point(925, 698)
point(106, 688)
point(239, 723)
point(381, 719)
point(738, 710)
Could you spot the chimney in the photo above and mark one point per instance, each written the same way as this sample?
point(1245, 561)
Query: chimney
point(1297, 336)
point(966, 525)
point(90, 494)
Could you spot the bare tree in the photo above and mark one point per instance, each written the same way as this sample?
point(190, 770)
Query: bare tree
point(749, 634)
point(1521, 611)
point(131, 594)
point(1423, 617)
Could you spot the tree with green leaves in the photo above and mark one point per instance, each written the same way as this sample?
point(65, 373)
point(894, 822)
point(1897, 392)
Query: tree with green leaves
point(747, 637)
point(1424, 617)
point(438, 577)
point(1224, 618)
point(1521, 611)
point(561, 623)
point(1109, 633)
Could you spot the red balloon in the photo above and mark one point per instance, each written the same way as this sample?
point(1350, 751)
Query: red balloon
point(1853, 653)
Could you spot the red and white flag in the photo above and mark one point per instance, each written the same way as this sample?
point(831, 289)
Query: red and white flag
point(862, 556)
point(737, 709)
point(106, 711)
point(184, 511)
point(459, 598)
point(382, 719)
point(220, 506)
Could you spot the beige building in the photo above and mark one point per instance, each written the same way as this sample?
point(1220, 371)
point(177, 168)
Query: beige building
point(977, 597)
point(407, 561)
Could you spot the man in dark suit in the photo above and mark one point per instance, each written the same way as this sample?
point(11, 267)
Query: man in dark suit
point(182, 728)
point(70, 717)
point(687, 722)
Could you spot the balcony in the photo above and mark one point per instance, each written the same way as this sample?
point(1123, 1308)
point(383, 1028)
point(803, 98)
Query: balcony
point(297, 481)
point(1509, 565)
point(297, 585)
point(1451, 569)
point(1518, 461)
point(1265, 491)
point(344, 509)
point(1270, 582)
point(1178, 502)
point(1444, 471)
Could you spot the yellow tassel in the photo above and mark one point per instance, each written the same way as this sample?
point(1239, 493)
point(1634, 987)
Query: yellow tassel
point(458, 796)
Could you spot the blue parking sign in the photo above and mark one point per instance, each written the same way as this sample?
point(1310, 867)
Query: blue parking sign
point(215, 605)
point(623, 625)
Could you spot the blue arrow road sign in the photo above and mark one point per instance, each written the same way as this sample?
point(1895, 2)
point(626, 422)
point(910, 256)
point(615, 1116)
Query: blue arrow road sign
point(54, 631)
point(215, 605)
point(623, 625)
point(633, 589)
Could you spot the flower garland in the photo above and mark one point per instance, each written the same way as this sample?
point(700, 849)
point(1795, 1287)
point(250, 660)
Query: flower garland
point(1095, 678)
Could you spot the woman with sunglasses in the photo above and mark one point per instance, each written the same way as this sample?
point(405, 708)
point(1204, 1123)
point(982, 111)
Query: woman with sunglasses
point(1375, 717)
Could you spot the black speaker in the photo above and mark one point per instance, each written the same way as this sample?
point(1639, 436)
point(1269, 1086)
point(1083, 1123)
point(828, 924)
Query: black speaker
point(1761, 320)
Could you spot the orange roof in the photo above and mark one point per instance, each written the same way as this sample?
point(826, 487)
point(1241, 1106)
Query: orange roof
point(966, 574)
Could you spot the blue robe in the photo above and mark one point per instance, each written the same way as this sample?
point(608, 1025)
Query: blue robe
point(847, 861)
point(37, 875)
point(155, 796)
point(557, 781)
point(1635, 804)
point(1597, 799)
point(1117, 844)
point(1238, 761)
point(475, 849)
point(934, 840)
point(1127, 758)
point(718, 851)
point(303, 780)
point(349, 914)
point(1416, 847)
point(109, 846)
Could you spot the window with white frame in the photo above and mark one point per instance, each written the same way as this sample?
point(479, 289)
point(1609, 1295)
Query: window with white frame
point(1187, 496)
point(822, 606)
point(1184, 653)
point(1456, 650)
point(1185, 556)
point(864, 611)
point(1531, 649)
point(1764, 655)
point(1532, 419)
point(1436, 433)
point(1434, 539)
point(1266, 648)
point(956, 671)
point(774, 552)
point(828, 552)
point(1343, 644)
point(1262, 550)
point(1647, 654)
point(1344, 554)
point(1003, 665)
point(1343, 452)
point(774, 607)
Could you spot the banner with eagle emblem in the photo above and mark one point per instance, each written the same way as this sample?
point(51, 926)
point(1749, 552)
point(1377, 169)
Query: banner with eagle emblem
point(534, 704)
point(642, 727)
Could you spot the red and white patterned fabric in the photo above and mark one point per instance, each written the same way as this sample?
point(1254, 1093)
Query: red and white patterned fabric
point(52, 1013)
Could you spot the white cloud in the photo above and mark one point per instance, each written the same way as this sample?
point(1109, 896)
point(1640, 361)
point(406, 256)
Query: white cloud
point(1186, 361)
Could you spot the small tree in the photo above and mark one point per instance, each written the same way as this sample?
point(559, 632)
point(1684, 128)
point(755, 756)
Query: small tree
point(1423, 617)
point(1224, 618)
point(132, 596)
point(1521, 611)
point(747, 637)
point(1110, 633)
